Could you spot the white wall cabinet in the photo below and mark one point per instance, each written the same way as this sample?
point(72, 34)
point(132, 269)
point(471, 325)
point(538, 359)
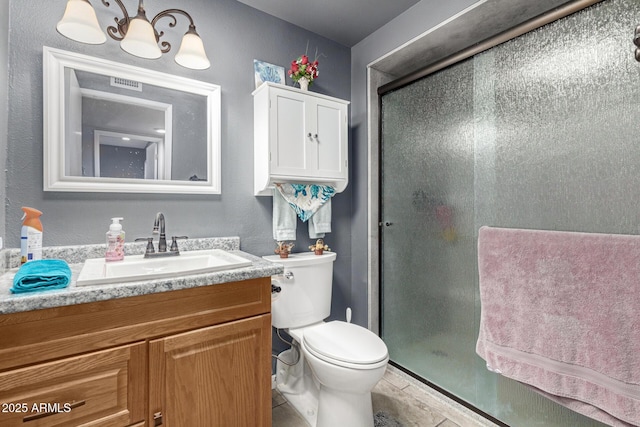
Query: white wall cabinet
point(299, 137)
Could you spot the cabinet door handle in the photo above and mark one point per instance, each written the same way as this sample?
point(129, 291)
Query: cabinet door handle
point(312, 136)
point(67, 408)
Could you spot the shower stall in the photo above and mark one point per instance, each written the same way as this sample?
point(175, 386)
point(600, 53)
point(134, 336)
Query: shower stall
point(540, 132)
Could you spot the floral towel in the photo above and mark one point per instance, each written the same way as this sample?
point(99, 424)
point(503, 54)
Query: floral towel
point(306, 199)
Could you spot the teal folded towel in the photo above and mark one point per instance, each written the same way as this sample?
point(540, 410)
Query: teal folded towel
point(41, 275)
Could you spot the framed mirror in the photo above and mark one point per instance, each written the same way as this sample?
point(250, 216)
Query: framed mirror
point(111, 127)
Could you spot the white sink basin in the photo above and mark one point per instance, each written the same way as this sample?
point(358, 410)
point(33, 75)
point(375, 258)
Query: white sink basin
point(135, 267)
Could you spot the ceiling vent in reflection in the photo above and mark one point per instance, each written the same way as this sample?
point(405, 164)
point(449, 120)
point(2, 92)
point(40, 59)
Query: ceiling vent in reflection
point(126, 84)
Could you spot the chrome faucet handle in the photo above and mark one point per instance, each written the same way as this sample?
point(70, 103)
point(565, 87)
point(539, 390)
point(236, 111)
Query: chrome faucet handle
point(174, 243)
point(150, 249)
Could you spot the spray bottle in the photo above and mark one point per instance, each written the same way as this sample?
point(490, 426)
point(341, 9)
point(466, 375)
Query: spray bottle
point(30, 235)
point(115, 241)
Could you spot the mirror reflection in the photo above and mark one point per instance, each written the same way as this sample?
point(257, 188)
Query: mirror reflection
point(123, 155)
point(114, 127)
point(128, 127)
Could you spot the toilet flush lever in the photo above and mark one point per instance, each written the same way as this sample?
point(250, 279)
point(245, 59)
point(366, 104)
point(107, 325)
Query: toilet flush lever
point(288, 275)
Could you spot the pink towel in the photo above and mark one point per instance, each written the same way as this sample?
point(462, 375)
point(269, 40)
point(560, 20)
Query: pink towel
point(561, 313)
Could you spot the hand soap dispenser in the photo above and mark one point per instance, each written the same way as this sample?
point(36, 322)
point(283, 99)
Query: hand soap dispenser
point(115, 241)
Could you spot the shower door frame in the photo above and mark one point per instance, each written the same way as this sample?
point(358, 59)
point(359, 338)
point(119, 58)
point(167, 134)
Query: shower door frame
point(375, 90)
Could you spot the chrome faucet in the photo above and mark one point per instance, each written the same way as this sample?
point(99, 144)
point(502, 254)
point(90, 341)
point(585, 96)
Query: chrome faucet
point(159, 228)
point(159, 223)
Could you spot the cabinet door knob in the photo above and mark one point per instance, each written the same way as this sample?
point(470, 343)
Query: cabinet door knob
point(157, 419)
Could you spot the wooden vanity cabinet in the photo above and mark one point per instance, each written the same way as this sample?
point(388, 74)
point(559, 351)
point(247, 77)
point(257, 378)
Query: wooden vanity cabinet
point(101, 388)
point(212, 376)
point(193, 357)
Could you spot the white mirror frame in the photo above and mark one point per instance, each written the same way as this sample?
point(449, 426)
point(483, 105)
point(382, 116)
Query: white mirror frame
point(54, 63)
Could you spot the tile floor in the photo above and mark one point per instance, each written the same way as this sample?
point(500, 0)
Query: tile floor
point(409, 401)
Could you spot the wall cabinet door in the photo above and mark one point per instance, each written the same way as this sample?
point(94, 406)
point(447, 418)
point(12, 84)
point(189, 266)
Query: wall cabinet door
point(214, 376)
point(308, 136)
point(299, 137)
point(101, 389)
point(288, 143)
point(328, 139)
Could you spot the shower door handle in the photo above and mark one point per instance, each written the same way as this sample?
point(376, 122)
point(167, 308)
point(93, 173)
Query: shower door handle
point(386, 224)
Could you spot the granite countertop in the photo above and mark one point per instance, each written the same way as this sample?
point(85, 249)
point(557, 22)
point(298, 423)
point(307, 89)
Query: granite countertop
point(76, 255)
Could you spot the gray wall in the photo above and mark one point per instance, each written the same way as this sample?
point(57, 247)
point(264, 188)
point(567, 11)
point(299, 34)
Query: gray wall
point(4, 85)
point(234, 35)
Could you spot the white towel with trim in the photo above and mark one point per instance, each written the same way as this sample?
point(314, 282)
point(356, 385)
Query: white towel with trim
point(284, 219)
point(320, 222)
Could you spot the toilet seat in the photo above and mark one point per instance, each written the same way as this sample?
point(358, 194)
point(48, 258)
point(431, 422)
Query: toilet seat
point(345, 344)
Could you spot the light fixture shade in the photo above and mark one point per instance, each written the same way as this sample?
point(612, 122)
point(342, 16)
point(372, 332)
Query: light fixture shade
point(80, 23)
point(191, 53)
point(141, 40)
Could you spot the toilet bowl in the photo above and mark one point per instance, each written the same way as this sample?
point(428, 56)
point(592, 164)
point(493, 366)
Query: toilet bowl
point(347, 360)
point(329, 372)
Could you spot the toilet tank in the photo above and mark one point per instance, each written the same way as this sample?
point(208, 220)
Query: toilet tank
point(305, 289)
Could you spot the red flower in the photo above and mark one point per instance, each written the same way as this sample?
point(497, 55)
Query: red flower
point(304, 67)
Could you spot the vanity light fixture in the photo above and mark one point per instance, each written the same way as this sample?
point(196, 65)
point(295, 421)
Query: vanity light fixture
point(137, 36)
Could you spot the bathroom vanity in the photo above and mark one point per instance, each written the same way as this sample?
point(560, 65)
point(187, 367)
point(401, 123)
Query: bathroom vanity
point(199, 355)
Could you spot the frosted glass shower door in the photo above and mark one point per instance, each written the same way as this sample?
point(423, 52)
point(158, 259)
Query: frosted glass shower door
point(539, 132)
point(428, 260)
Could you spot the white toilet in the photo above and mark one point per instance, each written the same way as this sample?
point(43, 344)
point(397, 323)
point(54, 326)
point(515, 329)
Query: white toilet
point(329, 381)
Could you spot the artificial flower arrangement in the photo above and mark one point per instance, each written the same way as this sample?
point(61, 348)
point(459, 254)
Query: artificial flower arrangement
point(319, 247)
point(284, 249)
point(303, 67)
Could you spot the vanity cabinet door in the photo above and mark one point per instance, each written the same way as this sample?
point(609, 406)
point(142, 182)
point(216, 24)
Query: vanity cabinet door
point(103, 388)
point(213, 376)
